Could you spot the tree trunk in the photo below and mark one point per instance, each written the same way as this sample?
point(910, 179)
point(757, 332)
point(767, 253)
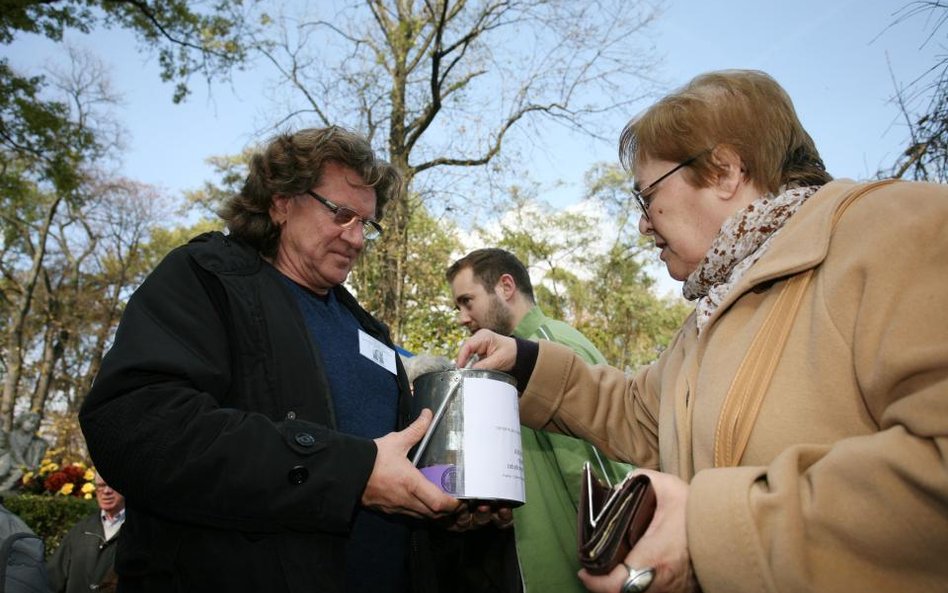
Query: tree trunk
point(53, 345)
point(15, 334)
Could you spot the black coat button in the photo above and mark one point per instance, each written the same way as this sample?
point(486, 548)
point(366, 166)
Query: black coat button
point(298, 475)
point(305, 439)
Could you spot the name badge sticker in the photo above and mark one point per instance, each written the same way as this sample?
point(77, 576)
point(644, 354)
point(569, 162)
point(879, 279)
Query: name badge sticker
point(377, 352)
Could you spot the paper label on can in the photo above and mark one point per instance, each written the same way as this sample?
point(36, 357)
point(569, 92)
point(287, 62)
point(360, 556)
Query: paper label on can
point(493, 456)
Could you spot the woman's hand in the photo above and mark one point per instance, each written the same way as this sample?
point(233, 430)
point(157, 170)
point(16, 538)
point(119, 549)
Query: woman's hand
point(664, 546)
point(493, 350)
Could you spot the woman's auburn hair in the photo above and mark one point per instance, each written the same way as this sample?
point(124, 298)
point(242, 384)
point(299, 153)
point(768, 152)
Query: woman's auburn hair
point(293, 163)
point(745, 111)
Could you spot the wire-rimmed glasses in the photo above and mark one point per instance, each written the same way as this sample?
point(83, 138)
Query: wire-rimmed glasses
point(346, 217)
point(642, 196)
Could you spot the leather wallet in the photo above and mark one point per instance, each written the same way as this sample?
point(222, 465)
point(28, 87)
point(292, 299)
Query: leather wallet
point(611, 519)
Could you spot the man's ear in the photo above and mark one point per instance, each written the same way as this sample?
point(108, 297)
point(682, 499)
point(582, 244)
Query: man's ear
point(731, 173)
point(506, 287)
point(279, 209)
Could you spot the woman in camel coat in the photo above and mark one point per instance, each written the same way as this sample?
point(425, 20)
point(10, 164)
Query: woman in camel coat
point(798, 420)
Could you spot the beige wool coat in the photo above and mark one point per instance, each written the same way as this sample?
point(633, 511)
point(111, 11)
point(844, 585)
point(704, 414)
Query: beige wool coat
point(843, 485)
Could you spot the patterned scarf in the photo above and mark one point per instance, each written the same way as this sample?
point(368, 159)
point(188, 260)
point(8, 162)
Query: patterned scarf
point(743, 239)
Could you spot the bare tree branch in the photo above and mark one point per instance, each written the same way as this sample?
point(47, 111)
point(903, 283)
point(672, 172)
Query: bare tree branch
point(453, 86)
point(923, 104)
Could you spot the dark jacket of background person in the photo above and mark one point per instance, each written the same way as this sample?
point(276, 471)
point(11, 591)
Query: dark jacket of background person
point(225, 314)
point(22, 569)
point(84, 558)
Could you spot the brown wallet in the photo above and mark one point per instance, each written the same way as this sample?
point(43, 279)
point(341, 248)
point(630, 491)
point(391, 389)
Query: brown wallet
point(611, 520)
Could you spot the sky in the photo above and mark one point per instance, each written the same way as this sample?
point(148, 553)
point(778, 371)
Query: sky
point(833, 57)
point(836, 59)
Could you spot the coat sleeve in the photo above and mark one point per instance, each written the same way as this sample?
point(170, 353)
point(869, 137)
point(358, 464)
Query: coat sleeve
point(868, 512)
point(599, 404)
point(57, 567)
point(157, 431)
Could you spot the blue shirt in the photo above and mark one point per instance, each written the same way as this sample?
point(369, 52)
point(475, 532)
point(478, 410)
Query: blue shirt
point(365, 401)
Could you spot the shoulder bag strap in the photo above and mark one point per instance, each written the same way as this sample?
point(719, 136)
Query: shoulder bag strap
point(746, 394)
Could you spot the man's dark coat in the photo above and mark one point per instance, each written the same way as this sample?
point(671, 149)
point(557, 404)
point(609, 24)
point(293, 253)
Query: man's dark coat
point(212, 415)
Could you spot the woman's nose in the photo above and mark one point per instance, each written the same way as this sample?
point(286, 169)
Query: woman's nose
point(645, 225)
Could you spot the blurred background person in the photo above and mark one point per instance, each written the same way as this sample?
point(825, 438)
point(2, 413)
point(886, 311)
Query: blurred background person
point(85, 558)
point(11, 523)
point(492, 290)
point(22, 568)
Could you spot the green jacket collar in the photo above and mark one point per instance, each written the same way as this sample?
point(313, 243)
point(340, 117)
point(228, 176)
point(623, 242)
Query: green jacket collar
point(530, 324)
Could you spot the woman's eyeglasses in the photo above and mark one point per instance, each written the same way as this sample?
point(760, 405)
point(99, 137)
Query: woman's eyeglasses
point(643, 196)
point(346, 217)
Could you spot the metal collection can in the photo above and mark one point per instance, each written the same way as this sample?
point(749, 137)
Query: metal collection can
point(472, 449)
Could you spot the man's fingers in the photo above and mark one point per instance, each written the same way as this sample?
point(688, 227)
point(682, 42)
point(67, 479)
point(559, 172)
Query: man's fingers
point(415, 431)
point(503, 518)
point(436, 502)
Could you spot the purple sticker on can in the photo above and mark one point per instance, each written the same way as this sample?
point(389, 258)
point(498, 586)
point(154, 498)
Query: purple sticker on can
point(443, 476)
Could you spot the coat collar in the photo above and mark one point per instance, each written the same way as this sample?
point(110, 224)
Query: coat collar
point(223, 254)
point(530, 323)
point(800, 245)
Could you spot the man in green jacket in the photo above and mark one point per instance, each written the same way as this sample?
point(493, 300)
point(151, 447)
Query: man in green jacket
point(492, 290)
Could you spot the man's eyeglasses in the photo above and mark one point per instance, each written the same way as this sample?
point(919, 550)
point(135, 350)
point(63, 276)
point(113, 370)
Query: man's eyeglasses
point(643, 196)
point(346, 217)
